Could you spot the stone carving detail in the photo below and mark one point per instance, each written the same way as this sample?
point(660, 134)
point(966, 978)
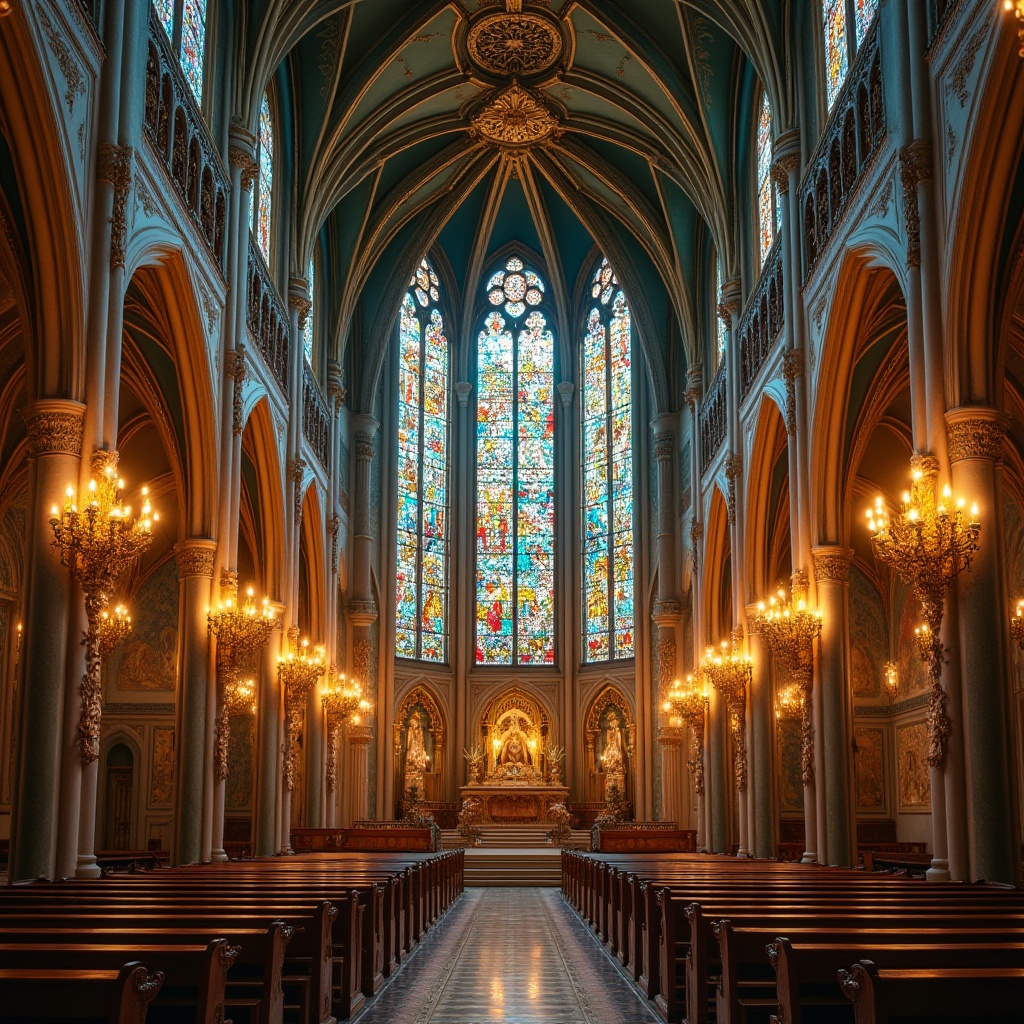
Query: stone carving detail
point(915, 167)
point(114, 164)
point(234, 366)
point(975, 439)
point(54, 433)
point(513, 44)
point(515, 117)
point(194, 560)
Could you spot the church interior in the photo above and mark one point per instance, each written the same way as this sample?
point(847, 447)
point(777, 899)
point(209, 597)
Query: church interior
point(509, 508)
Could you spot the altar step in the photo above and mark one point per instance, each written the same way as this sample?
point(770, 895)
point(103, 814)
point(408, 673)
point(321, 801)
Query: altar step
point(516, 837)
point(491, 868)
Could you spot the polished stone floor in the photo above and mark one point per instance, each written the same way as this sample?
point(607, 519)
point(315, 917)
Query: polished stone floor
point(518, 956)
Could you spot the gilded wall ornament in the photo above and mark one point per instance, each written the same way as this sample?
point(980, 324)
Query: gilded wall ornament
point(515, 117)
point(514, 44)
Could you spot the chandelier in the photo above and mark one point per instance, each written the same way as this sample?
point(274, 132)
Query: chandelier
point(99, 540)
point(1017, 6)
point(928, 543)
point(729, 672)
point(298, 671)
point(789, 629)
point(1017, 625)
point(342, 702)
point(689, 702)
point(242, 631)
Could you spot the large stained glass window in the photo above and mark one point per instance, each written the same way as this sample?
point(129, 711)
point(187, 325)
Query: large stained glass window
point(307, 330)
point(193, 44)
point(607, 450)
point(422, 563)
point(262, 201)
point(767, 211)
point(515, 467)
point(837, 58)
point(865, 11)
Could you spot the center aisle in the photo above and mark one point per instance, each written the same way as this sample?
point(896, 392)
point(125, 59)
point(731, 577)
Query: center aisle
point(518, 956)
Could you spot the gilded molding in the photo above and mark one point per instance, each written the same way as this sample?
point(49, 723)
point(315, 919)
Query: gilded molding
point(915, 167)
point(114, 164)
point(53, 431)
point(975, 437)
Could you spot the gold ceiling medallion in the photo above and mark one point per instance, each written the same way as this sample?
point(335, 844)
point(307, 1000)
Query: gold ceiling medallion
point(514, 44)
point(515, 117)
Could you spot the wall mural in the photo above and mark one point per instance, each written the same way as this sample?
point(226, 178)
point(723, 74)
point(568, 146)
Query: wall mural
point(869, 637)
point(869, 769)
point(913, 676)
point(912, 765)
point(238, 788)
point(791, 787)
point(162, 788)
point(150, 657)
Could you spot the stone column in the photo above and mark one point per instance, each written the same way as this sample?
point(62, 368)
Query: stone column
point(975, 452)
point(832, 572)
point(761, 752)
point(195, 573)
point(359, 737)
point(54, 449)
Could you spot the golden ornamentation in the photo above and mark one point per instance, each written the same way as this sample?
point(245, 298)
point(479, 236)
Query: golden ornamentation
point(975, 438)
point(99, 541)
point(514, 44)
point(114, 164)
point(927, 544)
point(789, 628)
point(515, 117)
point(298, 671)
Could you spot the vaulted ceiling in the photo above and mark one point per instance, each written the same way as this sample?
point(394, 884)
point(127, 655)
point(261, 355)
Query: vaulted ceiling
point(457, 126)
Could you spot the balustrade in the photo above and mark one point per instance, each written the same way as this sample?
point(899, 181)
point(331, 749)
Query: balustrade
point(316, 420)
point(179, 137)
point(855, 129)
point(713, 419)
point(266, 317)
point(762, 320)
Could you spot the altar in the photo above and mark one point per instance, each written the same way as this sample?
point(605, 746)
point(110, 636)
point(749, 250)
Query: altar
point(518, 803)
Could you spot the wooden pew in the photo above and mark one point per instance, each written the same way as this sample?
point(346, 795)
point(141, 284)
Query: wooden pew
point(118, 996)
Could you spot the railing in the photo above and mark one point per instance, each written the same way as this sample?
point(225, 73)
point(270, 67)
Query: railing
point(266, 317)
point(178, 134)
point(762, 320)
point(853, 133)
point(713, 420)
point(316, 420)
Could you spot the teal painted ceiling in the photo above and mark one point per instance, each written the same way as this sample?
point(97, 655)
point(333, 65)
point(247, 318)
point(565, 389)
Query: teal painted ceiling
point(385, 102)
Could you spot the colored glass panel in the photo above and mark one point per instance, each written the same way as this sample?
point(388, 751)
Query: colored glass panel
point(422, 548)
point(765, 206)
point(837, 60)
point(193, 44)
point(307, 330)
point(607, 446)
point(865, 12)
point(515, 528)
point(165, 15)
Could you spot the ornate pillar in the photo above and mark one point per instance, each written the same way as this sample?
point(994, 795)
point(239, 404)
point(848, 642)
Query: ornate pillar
point(195, 572)
point(761, 752)
point(832, 573)
point(54, 449)
point(975, 452)
point(359, 737)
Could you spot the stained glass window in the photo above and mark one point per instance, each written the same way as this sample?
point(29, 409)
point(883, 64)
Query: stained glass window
point(193, 44)
point(165, 15)
point(422, 563)
point(865, 11)
point(307, 330)
point(837, 59)
point(260, 208)
point(722, 327)
point(607, 449)
point(515, 466)
point(766, 212)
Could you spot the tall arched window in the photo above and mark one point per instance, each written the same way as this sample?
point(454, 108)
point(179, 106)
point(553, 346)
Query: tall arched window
point(766, 206)
point(307, 330)
point(515, 474)
point(262, 201)
point(607, 448)
point(422, 563)
point(184, 21)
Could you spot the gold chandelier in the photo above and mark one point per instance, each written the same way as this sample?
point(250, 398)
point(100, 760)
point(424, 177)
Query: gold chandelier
point(690, 702)
point(927, 544)
point(789, 629)
point(342, 701)
point(1017, 6)
point(99, 540)
point(242, 631)
point(299, 670)
point(729, 672)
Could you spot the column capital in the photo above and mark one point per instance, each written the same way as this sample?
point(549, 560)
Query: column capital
point(976, 432)
point(54, 426)
point(832, 563)
point(195, 557)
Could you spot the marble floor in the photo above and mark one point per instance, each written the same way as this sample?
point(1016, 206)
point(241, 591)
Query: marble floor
point(516, 956)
